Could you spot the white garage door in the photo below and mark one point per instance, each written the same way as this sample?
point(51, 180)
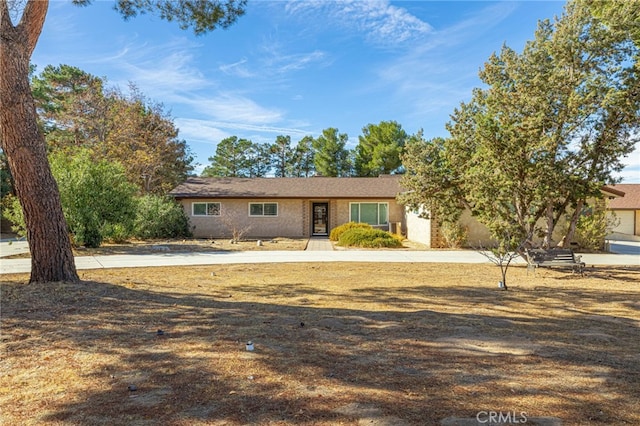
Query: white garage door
point(626, 221)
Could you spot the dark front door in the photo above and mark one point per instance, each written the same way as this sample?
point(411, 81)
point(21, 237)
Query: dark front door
point(320, 219)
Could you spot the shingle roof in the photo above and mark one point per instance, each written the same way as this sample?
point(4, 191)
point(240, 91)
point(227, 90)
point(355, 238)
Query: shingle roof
point(631, 199)
point(387, 186)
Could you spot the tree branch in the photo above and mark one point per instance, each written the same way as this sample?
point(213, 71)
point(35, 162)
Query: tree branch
point(5, 18)
point(32, 22)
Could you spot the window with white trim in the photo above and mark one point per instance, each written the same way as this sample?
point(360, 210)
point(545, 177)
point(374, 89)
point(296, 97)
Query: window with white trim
point(205, 209)
point(371, 213)
point(263, 209)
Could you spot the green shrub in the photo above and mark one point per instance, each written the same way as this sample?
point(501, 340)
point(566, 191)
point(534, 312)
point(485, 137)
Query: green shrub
point(368, 238)
point(160, 217)
point(116, 233)
point(97, 200)
point(592, 228)
point(339, 230)
point(12, 211)
point(454, 235)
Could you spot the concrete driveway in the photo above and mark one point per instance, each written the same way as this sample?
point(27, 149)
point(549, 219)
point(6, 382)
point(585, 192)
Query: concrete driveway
point(624, 247)
point(238, 257)
point(12, 247)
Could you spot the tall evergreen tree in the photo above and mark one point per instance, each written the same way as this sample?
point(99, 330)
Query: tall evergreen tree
point(282, 155)
point(331, 158)
point(260, 159)
point(618, 16)
point(72, 107)
point(379, 149)
point(232, 159)
point(303, 158)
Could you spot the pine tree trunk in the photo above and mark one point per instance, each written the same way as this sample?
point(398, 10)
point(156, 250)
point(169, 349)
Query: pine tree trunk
point(22, 142)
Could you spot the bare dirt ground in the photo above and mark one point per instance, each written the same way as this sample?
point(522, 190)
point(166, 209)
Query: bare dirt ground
point(191, 245)
point(202, 245)
point(335, 343)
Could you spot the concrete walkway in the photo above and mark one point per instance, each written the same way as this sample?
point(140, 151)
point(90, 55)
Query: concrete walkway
point(13, 247)
point(211, 258)
point(319, 244)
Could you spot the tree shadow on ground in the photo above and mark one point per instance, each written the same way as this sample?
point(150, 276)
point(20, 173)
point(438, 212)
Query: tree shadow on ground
point(473, 349)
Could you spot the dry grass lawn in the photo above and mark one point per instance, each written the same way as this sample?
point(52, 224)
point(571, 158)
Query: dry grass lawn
point(339, 343)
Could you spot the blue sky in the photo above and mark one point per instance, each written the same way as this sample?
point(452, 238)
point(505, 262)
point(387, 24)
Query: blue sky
point(298, 67)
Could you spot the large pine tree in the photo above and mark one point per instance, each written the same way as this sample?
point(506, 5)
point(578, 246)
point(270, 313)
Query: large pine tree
point(22, 141)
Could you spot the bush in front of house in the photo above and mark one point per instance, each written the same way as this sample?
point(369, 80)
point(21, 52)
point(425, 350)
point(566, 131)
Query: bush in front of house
point(97, 200)
point(369, 238)
point(12, 212)
point(339, 230)
point(160, 217)
point(96, 211)
point(454, 235)
point(592, 228)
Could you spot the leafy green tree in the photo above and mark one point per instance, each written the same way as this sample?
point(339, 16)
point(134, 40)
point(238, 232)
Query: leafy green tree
point(76, 110)
point(548, 131)
point(232, 159)
point(331, 158)
point(379, 149)
point(144, 139)
point(21, 138)
point(7, 194)
point(434, 180)
point(303, 158)
point(97, 200)
point(618, 16)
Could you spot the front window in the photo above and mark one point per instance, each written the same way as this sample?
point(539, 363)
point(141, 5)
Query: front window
point(205, 209)
point(263, 209)
point(371, 213)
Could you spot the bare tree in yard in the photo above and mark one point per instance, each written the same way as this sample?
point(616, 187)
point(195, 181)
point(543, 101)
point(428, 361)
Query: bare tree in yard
point(506, 250)
point(22, 141)
point(237, 230)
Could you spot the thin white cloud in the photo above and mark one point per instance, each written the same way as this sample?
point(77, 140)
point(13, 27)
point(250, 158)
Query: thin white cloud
point(232, 108)
point(436, 73)
point(295, 62)
point(212, 132)
point(445, 52)
point(475, 25)
point(159, 70)
point(61, 27)
point(379, 22)
point(201, 131)
point(273, 63)
point(263, 129)
point(238, 69)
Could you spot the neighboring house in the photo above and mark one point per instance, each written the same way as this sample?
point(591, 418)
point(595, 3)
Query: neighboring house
point(626, 210)
point(288, 207)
